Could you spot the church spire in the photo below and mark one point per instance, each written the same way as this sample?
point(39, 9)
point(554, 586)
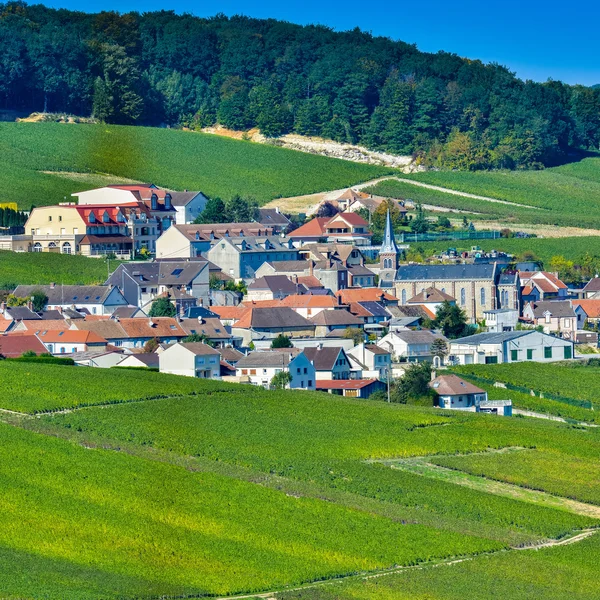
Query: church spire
point(389, 241)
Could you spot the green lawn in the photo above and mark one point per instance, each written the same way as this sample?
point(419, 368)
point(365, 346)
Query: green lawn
point(29, 268)
point(177, 160)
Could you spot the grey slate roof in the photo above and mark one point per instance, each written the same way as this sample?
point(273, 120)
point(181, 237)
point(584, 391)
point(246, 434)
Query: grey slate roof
point(265, 359)
point(179, 272)
point(423, 336)
point(376, 309)
point(492, 338)
point(508, 279)
point(275, 284)
point(323, 359)
point(272, 216)
point(389, 240)
point(445, 272)
point(182, 198)
point(284, 266)
point(335, 316)
point(200, 349)
point(67, 294)
point(561, 308)
point(593, 285)
point(22, 313)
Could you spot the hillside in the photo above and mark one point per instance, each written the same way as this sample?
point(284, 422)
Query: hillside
point(202, 488)
point(352, 87)
point(43, 163)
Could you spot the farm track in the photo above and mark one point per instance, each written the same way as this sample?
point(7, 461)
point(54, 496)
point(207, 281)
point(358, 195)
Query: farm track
point(430, 565)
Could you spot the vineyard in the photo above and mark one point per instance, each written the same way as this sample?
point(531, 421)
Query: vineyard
point(45, 162)
point(180, 487)
point(30, 268)
point(33, 388)
point(563, 573)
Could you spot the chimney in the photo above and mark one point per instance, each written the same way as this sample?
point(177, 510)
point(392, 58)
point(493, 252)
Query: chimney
point(433, 374)
point(151, 323)
point(320, 346)
point(181, 311)
point(200, 302)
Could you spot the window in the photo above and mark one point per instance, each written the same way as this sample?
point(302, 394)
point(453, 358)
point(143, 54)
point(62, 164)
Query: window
point(403, 300)
point(252, 371)
point(548, 352)
point(66, 248)
point(529, 354)
point(568, 352)
point(463, 296)
point(50, 218)
point(62, 350)
point(309, 383)
point(302, 384)
point(482, 296)
point(491, 360)
point(567, 323)
point(514, 355)
point(298, 370)
point(244, 371)
point(547, 317)
point(305, 370)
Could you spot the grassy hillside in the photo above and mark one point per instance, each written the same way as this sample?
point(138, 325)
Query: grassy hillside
point(42, 163)
point(30, 268)
point(566, 195)
point(234, 489)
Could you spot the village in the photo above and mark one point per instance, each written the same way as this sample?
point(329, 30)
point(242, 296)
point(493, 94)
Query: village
point(268, 303)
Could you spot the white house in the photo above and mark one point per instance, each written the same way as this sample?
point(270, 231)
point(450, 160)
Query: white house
point(408, 344)
point(501, 319)
point(555, 316)
point(188, 206)
point(509, 346)
point(59, 341)
point(192, 359)
point(329, 362)
point(144, 360)
point(261, 367)
point(456, 393)
point(374, 361)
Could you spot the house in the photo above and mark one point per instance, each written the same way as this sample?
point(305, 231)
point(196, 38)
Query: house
point(228, 315)
point(347, 228)
point(371, 313)
point(241, 257)
point(191, 359)
point(345, 199)
point(374, 361)
point(329, 362)
point(310, 305)
point(274, 219)
point(456, 393)
point(188, 206)
point(272, 287)
point(592, 288)
point(409, 345)
point(509, 346)
point(231, 355)
point(555, 316)
point(216, 333)
point(158, 201)
point(70, 341)
point(142, 360)
point(334, 321)
point(102, 359)
point(540, 285)
point(372, 204)
point(367, 295)
point(268, 323)
point(347, 254)
point(586, 310)
point(361, 276)
point(262, 366)
point(13, 346)
point(351, 388)
point(93, 230)
point(501, 319)
point(188, 241)
point(431, 298)
point(96, 299)
point(134, 333)
point(141, 283)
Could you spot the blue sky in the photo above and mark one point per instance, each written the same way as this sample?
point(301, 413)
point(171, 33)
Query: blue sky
point(538, 40)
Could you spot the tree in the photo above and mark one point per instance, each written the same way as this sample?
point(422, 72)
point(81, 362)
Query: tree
point(451, 319)
point(439, 348)
point(38, 300)
point(355, 334)
point(419, 224)
point(162, 307)
point(12, 300)
point(198, 337)
point(413, 385)
point(151, 345)
point(281, 341)
point(281, 380)
point(327, 209)
point(214, 212)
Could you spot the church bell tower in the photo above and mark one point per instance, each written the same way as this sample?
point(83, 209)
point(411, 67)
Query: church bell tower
point(388, 254)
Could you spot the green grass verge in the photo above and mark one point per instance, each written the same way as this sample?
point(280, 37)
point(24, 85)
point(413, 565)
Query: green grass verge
point(177, 160)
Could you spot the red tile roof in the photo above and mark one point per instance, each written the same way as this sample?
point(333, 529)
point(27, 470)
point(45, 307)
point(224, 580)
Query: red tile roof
point(13, 346)
point(72, 336)
point(314, 228)
point(365, 295)
point(351, 218)
point(591, 307)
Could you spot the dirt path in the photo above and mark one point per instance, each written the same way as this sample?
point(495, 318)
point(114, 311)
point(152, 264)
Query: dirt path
point(536, 415)
point(429, 565)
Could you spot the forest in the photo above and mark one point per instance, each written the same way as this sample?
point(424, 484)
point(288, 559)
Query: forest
point(165, 69)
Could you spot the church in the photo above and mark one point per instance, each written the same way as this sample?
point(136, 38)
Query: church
point(475, 287)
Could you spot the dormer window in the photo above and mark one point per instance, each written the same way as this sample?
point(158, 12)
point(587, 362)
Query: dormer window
point(168, 201)
point(92, 217)
point(154, 201)
point(105, 217)
point(197, 235)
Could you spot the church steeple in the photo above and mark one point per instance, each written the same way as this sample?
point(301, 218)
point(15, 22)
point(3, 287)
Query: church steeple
point(388, 253)
point(389, 240)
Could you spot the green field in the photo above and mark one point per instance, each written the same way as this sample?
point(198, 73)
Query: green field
point(568, 195)
point(42, 163)
point(179, 487)
point(29, 268)
point(564, 573)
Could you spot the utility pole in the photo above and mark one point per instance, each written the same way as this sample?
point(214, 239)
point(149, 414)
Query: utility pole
point(388, 384)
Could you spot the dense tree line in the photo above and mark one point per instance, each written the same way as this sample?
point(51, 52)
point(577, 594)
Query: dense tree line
point(179, 70)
